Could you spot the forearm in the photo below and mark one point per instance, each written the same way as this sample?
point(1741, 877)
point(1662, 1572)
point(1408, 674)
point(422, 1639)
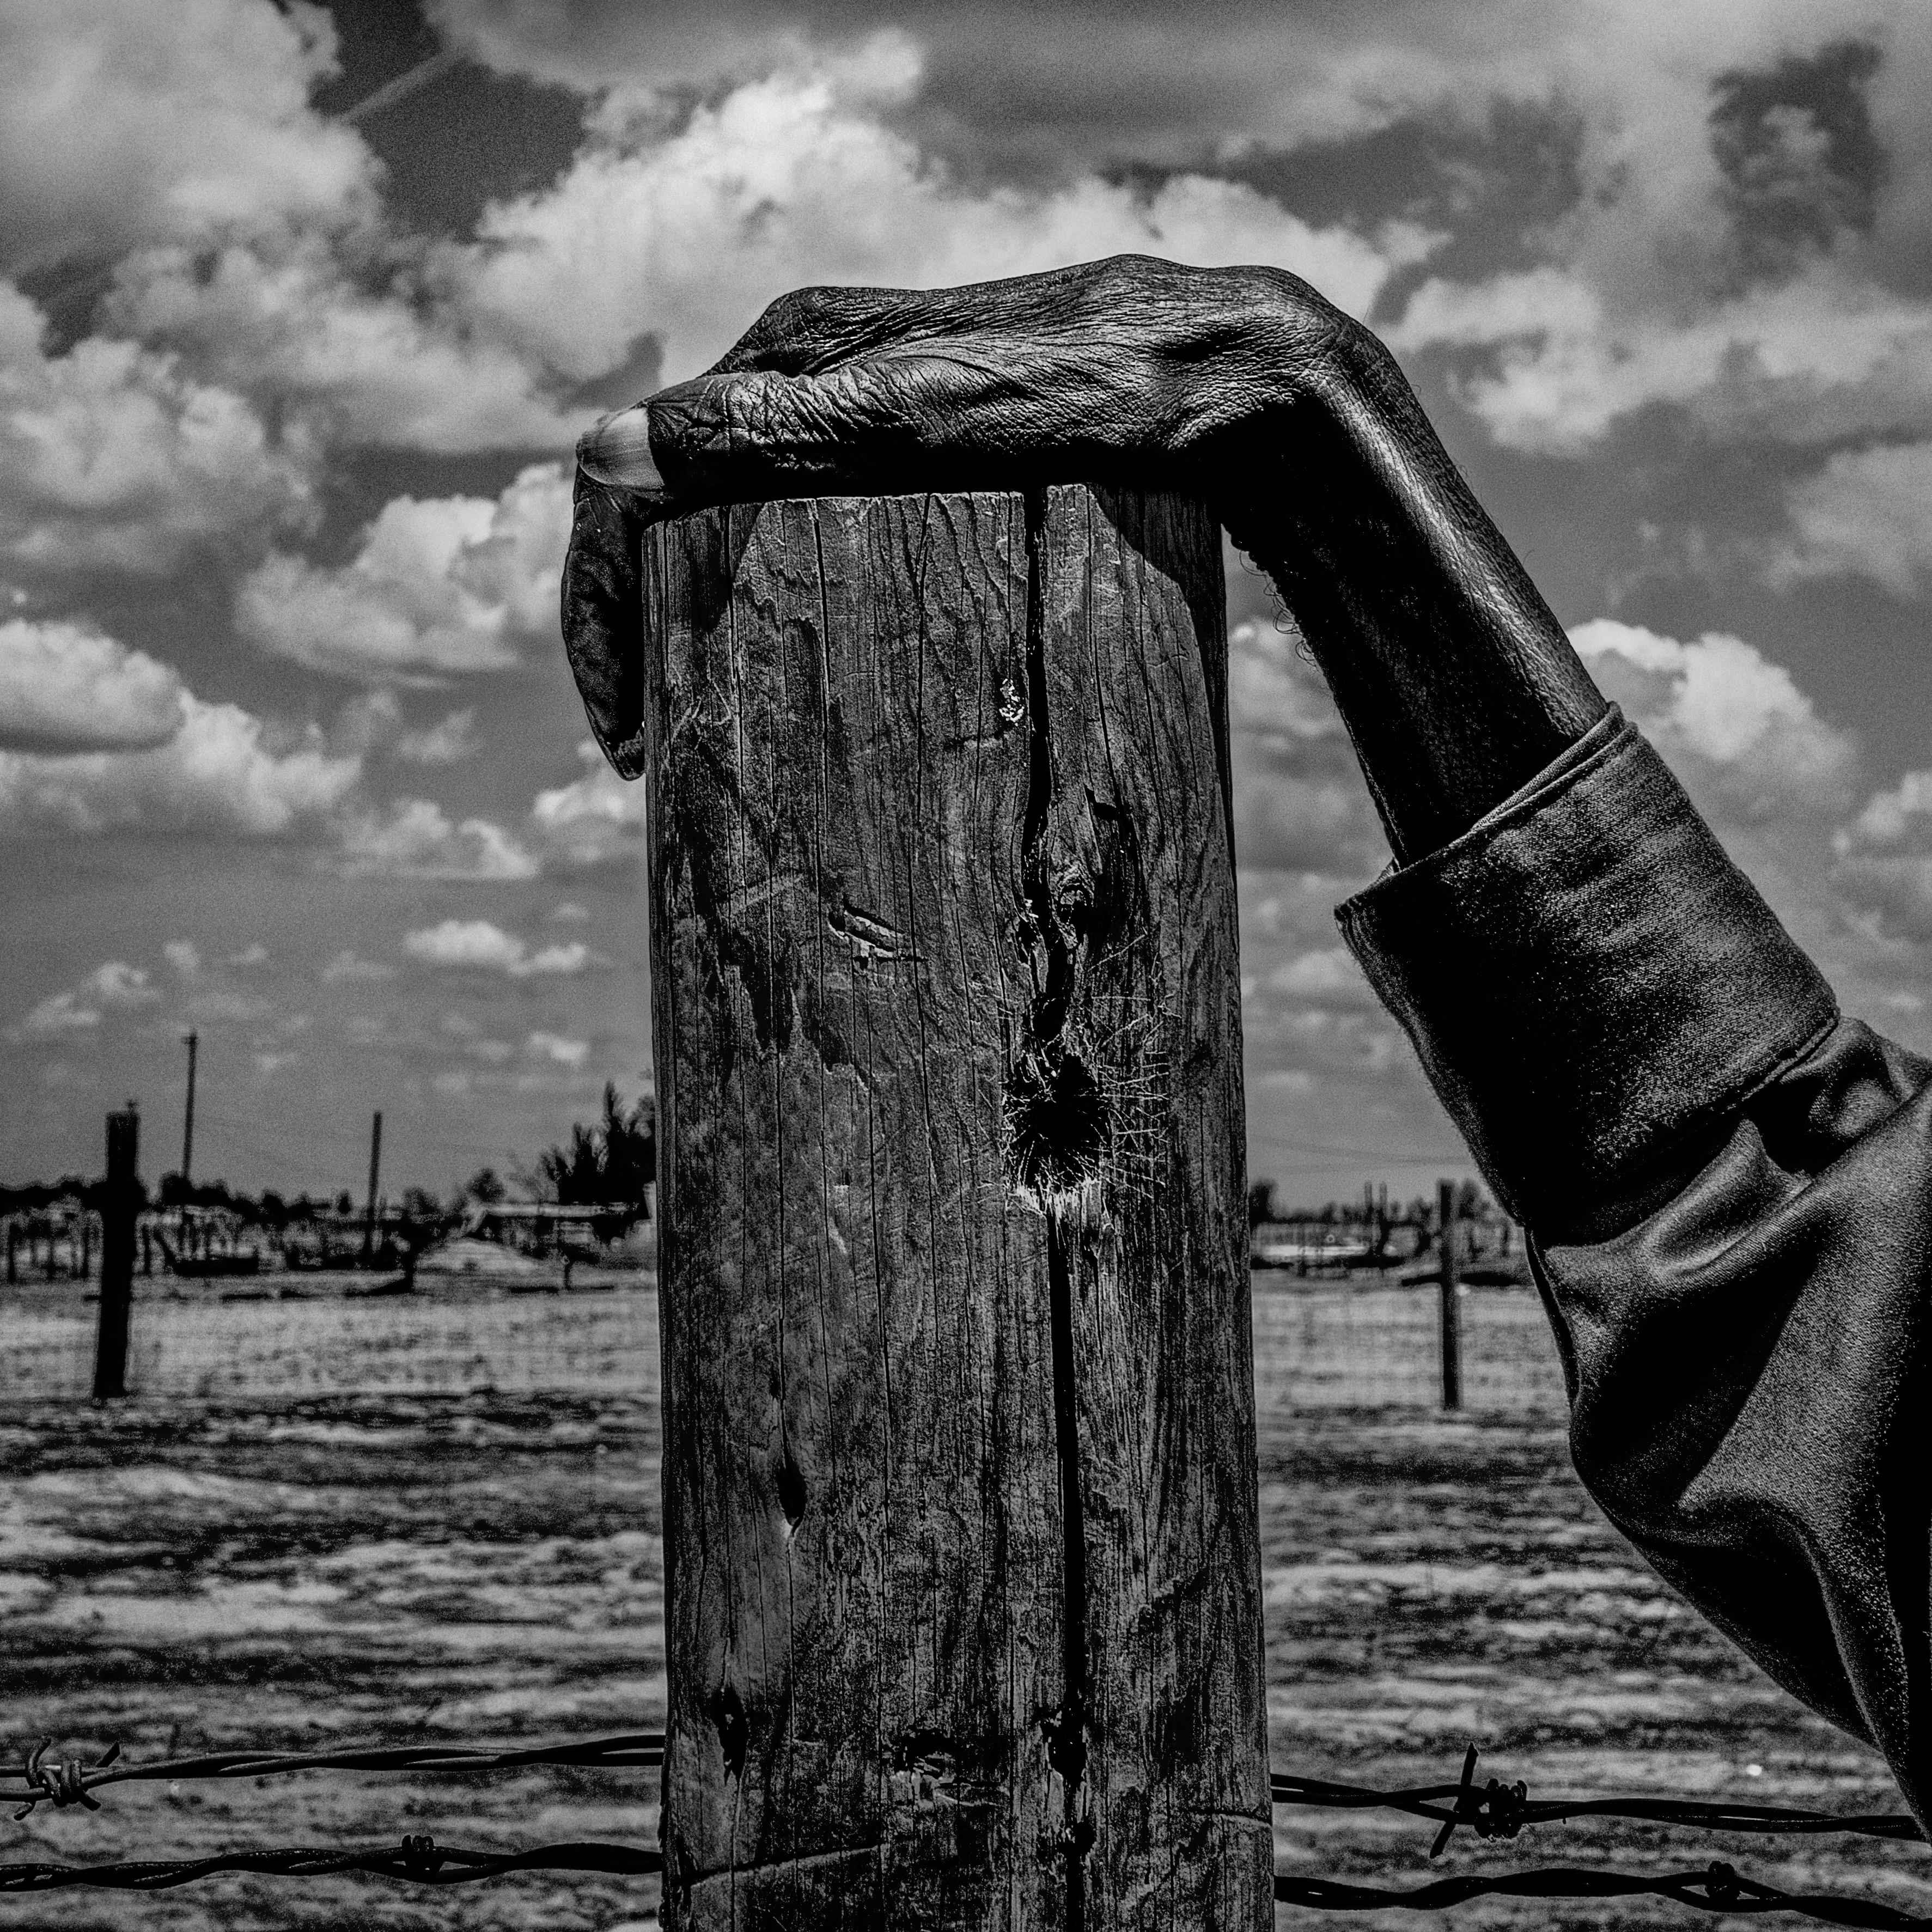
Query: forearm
point(1454, 678)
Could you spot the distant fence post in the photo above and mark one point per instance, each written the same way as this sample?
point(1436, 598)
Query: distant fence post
point(1452, 1299)
point(117, 1254)
point(963, 1602)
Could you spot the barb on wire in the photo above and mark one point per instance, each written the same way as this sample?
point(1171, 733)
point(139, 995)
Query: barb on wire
point(72, 1783)
point(1497, 1810)
point(1494, 1810)
point(1719, 1887)
point(59, 1785)
point(420, 1861)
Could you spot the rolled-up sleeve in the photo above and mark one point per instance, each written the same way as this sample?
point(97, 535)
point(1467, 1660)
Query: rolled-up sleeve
point(1728, 1191)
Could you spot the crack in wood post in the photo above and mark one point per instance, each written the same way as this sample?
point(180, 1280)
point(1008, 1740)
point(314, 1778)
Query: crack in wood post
point(1048, 1144)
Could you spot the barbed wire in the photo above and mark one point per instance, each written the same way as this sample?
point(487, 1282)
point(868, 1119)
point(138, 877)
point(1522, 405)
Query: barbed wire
point(420, 1860)
point(1491, 1809)
point(60, 1784)
point(1717, 1888)
point(1497, 1811)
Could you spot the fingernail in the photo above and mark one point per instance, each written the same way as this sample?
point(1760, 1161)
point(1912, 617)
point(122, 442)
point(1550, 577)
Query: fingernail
point(617, 452)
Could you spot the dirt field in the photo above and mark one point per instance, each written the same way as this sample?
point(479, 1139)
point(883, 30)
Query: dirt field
point(411, 1517)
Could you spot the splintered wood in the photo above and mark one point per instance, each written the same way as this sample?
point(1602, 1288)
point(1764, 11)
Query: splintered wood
point(963, 1594)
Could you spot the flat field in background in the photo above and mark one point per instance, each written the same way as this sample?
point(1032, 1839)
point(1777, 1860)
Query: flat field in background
point(329, 1519)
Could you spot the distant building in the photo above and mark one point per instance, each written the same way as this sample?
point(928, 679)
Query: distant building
point(540, 1227)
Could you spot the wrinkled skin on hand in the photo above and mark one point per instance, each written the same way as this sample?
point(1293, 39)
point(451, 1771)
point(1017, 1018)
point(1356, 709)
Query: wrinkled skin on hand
point(1242, 385)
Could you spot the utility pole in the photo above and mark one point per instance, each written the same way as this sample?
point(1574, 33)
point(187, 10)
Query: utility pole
point(188, 1126)
point(375, 1169)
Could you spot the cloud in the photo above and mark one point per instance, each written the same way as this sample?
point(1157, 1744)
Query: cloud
point(224, 770)
point(441, 586)
point(555, 1048)
point(1884, 866)
point(112, 985)
point(1326, 973)
point(342, 333)
point(1300, 802)
point(117, 126)
point(67, 687)
point(797, 177)
point(1746, 740)
point(1804, 362)
point(184, 955)
point(59, 1016)
point(593, 819)
point(448, 742)
point(348, 965)
point(114, 454)
point(415, 839)
point(475, 945)
point(1868, 514)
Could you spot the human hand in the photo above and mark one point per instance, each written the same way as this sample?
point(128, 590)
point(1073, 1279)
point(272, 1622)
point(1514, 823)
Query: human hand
point(1128, 369)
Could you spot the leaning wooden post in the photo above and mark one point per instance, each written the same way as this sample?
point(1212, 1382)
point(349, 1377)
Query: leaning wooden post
point(118, 1212)
point(962, 1563)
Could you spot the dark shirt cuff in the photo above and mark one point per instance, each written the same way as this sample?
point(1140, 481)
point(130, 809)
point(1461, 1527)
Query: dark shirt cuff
point(1589, 981)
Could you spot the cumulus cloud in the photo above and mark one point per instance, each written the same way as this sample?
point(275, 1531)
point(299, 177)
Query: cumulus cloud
point(79, 1010)
point(797, 177)
point(1802, 362)
point(415, 839)
point(449, 741)
point(68, 687)
point(349, 965)
point(595, 818)
point(184, 955)
point(60, 1015)
point(224, 770)
point(557, 1048)
point(476, 945)
point(1884, 866)
point(118, 126)
point(1328, 973)
point(1754, 200)
point(1868, 514)
point(247, 302)
point(342, 334)
point(440, 586)
point(114, 453)
point(1747, 742)
point(1300, 802)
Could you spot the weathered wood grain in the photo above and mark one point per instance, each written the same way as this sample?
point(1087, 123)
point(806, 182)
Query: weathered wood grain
point(963, 1582)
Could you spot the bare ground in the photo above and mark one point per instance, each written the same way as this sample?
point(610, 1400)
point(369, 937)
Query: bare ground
point(470, 1544)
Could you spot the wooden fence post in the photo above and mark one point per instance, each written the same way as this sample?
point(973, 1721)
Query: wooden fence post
point(1452, 1298)
point(963, 1599)
point(118, 1212)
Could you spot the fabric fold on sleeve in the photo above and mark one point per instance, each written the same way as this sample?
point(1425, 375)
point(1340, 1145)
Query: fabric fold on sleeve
point(1589, 980)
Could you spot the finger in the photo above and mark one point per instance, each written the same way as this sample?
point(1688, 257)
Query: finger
point(812, 329)
point(962, 420)
point(603, 620)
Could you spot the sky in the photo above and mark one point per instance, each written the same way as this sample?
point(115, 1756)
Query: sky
point(302, 308)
